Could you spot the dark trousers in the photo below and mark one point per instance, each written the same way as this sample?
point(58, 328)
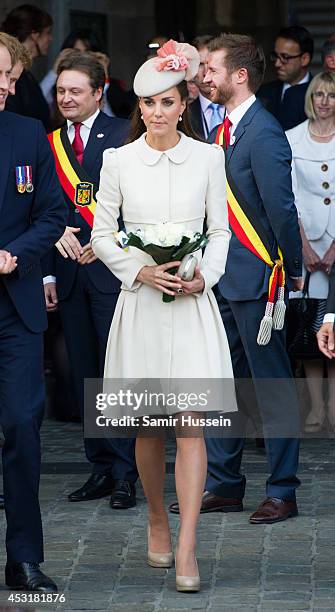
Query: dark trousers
point(21, 412)
point(86, 316)
point(270, 370)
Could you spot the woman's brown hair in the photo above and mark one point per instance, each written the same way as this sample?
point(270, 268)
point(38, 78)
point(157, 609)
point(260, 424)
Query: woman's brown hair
point(137, 127)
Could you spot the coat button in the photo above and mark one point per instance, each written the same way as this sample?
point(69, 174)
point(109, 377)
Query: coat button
point(325, 185)
point(324, 167)
point(327, 201)
point(77, 211)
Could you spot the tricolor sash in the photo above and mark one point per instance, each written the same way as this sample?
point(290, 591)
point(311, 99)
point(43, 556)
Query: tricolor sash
point(75, 181)
point(249, 230)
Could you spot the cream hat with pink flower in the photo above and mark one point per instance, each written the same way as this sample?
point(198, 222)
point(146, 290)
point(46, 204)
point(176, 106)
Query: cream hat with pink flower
point(175, 62)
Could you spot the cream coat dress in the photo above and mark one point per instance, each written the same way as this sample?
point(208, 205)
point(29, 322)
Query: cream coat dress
point(148, 338)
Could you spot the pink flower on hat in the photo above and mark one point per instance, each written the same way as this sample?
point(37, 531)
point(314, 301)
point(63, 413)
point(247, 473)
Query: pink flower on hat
point(169, 58)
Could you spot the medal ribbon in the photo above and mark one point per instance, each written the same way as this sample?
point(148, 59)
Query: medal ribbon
point(19, 174)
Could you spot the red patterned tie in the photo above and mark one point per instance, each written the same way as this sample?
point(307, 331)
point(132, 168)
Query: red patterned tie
point(78, 145)
point(226, 127)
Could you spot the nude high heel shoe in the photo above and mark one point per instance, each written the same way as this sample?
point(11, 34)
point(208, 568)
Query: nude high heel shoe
point(188, 584)
point(159, 559)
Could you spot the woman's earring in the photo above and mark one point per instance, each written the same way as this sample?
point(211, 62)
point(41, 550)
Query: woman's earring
point(180, 118)
point(142, 117)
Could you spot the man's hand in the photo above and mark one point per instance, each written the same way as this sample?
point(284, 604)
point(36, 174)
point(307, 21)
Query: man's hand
point(68, 245)
point(298, 284)
point(88, 256)
point(326, 341)
point(7, 262)
point(50, 294)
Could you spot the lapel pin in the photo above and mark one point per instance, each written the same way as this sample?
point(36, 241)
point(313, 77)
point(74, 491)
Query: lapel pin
point(100, 135)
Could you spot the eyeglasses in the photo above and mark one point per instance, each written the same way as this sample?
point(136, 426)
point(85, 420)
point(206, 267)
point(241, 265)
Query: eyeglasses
point(320, 95)
point(284, 58)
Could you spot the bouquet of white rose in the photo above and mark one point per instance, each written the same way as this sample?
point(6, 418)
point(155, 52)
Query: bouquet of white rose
point(165, 242)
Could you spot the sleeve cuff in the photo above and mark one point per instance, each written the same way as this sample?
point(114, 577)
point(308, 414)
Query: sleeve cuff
point(49, 279)
point(329, 317)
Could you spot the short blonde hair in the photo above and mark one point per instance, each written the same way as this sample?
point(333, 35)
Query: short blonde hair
point(327, 81)
point(12, 45)
point(16, 50)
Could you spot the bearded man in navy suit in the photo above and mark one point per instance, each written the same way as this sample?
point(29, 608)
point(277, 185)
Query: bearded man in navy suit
point(84, 289)
point(33, 217)
point(261, 203)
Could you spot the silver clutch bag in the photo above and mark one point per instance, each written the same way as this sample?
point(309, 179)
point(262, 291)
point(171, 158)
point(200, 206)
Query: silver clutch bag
point(187, 267)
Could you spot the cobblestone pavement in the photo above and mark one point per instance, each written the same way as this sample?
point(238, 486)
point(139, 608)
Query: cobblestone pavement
point(98, 555)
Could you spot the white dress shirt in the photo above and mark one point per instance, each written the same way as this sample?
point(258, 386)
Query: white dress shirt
point(206, 113)
point(85, 131)
point(85, 128)
point(236, 115)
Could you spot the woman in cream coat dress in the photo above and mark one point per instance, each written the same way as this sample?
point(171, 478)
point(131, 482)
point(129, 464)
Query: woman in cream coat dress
point(313, 178)
point(165, 176)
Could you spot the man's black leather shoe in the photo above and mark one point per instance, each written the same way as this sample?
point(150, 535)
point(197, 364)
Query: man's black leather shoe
point(28, 577)
point(123, 496)
point(98, 485)
point(2, 502)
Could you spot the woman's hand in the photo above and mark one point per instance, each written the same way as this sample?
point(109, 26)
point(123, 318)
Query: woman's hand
point(159, 278)
point(328, 259)
point(312, 261)
point(196, 285)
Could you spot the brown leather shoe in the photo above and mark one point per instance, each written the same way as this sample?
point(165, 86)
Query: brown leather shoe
point(274, 510)
point(214, 503)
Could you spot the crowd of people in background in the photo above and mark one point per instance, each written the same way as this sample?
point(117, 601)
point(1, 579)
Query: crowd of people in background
point(86, 109)
point(304, 106)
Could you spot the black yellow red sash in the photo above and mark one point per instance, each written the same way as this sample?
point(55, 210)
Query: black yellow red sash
point(76, 183)
point(249, 230)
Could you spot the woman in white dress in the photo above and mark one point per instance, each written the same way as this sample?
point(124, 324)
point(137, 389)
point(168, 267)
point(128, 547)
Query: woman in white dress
point(162, 175)
point(313, 176)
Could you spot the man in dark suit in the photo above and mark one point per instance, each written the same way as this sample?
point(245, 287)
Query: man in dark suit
point(84, 289)
point(204, 115)
point(258, 166)
point(32, 218)
point(285, 97)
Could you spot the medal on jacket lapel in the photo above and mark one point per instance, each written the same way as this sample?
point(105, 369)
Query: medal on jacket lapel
point(20, 179)
point(29, 178)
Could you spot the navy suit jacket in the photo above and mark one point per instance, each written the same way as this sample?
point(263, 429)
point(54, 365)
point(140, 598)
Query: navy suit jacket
point(195, 118)
point(29, 222)
point(291, 110)
point(260, 164)
point(114, 133)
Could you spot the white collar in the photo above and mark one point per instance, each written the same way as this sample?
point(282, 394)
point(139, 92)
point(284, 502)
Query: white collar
point(176, 154)
point(204, 102)
point(236, 115)
point(88, 122)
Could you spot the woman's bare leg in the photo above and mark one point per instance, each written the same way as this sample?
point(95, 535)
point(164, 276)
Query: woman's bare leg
point(150, 460)
point(190, 471)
